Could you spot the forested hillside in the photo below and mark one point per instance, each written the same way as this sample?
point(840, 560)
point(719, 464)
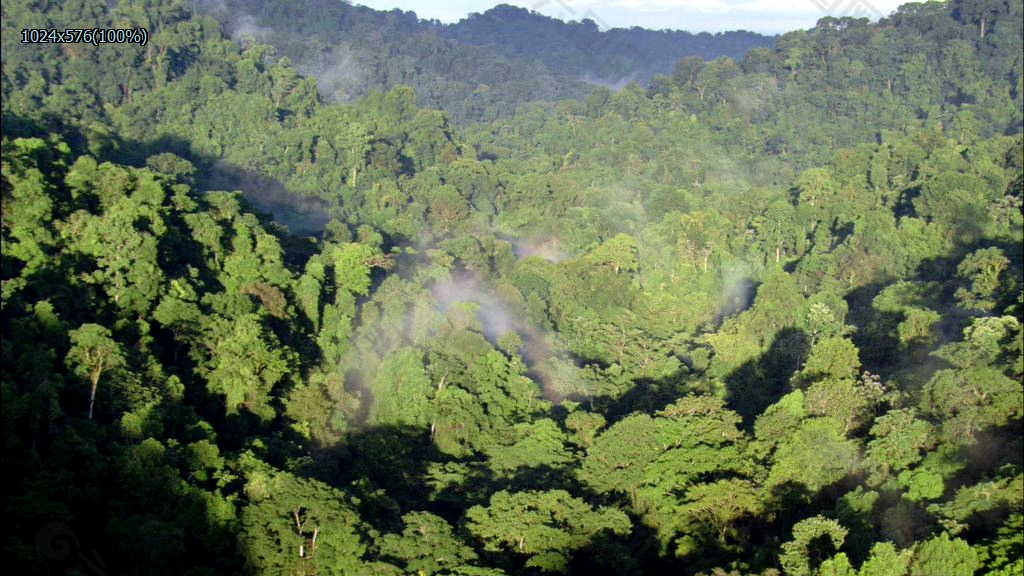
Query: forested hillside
point(481, 68)
point(590, 49)
point(761, 315)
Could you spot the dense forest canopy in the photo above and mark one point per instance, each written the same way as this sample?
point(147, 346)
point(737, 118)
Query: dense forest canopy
point(757, 311)
point(480, 68)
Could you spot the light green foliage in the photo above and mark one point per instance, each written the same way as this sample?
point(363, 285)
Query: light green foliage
point(982, 341)
point(981, 269)
point(838, 565)
point(618, 253)
point(93, 353)
point(927, 480)
point(475, 571)
point(585, 426)
point(316, 406)
point(203, 458)
point(28, 200)
point(335, 331)
point(816, 455)
point(401, 390)
point(1004, 554)
point(849, 401)
point(546, 526)
point(814, 540)
point(700, 275)
point(689, 432)
point(352, 263)
point(619, 456)
point(179, 314)
point(297, 526)
point(942, 555)
point(835, 358)
point(124, 250)
point(692, 444)
point(309, 292)
point(458, 421)
point(977, 393)
point(427, 545)
point(538, 444)
point(480, 393)
point(911, 303)
point(255, 258)
point(447, 208)
point(886, 560)
point(982, 498)
point(244, 364)
point(922, 484)
point(918, 326)
point(970, 400)
point(714, 508)
point(898, 438)
point(822, 322)
point(780, 420)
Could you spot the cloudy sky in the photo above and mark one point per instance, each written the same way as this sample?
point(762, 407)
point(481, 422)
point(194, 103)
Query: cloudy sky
point(766, 16)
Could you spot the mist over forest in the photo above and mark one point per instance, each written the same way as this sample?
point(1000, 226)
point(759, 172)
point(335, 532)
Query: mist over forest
point(314, 289)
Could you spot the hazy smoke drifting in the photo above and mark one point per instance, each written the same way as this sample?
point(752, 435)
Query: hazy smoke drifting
point(247, 26)
point(497, 319)
point(550, 249)
point(613, 85)
point(493, 314)
point(301, 214)
point(737, 292)
point(339, 76)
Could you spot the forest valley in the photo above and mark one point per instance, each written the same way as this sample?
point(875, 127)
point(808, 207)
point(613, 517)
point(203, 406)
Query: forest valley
point(462, 312)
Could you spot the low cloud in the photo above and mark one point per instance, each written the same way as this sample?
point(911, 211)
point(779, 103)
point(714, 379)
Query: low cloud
point(497, 319)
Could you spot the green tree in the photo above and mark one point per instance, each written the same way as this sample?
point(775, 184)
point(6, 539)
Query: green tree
point(835, 358)
point(814, 541)
point(943, 555)
point(401, 390)
point(885, 560)
point(546, 526)
point(982, 270)
point(537, 444)
point(353, 262)
point(816, 455)
point(619, 456)
point(898, 439)
point(619, 253)
point(427, 545)
point(715, 507)
point(244, 364)
point(125, 256)
point(93, 352)
point(977, 392)
point(296, 526)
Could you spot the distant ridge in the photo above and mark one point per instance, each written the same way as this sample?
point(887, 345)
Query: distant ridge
point(478, 69)
point(583, 49)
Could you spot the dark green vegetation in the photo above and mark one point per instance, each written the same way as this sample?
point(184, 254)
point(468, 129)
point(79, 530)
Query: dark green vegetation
point(761, 316)
point(481, 68)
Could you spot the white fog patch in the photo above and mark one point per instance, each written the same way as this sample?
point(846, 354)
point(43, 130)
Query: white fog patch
point(338, 74)
point(549, 249)
point(737, 291)
point(497, 319)
point(246, 26)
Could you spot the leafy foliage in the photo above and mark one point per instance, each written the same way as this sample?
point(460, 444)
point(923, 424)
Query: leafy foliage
point(764, 313)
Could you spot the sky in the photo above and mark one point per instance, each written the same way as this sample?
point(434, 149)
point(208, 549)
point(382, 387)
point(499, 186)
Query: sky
point(764, 16)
